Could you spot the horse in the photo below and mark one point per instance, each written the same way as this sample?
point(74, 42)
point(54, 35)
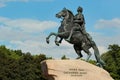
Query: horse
point(77, 39)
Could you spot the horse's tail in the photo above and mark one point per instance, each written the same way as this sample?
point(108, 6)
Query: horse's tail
point(97, 54)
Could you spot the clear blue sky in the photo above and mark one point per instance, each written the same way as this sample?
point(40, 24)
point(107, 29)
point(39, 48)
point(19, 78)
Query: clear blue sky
point(24, 23)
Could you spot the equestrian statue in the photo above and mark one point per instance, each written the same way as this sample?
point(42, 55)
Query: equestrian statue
point(72, 30)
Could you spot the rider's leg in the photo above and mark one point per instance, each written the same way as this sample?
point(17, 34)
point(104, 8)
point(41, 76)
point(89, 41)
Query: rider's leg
point(73, 29)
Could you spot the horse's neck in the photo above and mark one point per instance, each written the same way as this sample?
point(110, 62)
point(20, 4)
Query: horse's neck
point(67, 20)
point(67, 24)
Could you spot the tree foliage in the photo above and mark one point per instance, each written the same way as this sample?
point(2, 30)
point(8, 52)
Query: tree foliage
point(64, 57)
point(16, 65)
point(112, 60)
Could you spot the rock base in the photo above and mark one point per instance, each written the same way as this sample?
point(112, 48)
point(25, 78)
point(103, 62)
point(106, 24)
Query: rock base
point(73, 70)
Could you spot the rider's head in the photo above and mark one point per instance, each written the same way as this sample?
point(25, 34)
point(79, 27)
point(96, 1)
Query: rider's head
point(80, 9)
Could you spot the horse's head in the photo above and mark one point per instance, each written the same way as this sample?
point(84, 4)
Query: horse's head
point(64, 13)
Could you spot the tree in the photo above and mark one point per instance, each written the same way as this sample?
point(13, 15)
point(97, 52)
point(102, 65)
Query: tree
point(16, 65)
point(112, 60)
point(64, 57)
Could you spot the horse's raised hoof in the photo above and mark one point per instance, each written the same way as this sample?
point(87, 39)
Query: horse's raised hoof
point(57, 43)
point(47, 40)
point(60, 41)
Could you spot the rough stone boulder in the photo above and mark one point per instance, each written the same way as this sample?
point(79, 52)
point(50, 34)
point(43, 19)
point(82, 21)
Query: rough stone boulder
point(73, 70)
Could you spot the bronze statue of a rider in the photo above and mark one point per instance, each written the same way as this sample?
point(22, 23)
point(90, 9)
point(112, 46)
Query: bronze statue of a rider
point(79, 23)
point(72, 30)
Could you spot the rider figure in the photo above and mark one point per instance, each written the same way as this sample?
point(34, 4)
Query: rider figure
point(79, 22)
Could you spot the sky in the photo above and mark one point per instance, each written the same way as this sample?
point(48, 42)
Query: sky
point(25, 24)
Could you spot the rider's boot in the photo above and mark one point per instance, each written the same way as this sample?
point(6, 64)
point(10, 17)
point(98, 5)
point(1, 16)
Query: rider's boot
point(68, 39)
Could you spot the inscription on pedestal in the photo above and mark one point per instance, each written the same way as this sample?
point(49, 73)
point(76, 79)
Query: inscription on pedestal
point(75, 72)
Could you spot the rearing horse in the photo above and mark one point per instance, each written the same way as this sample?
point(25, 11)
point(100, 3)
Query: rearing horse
point(76, 39)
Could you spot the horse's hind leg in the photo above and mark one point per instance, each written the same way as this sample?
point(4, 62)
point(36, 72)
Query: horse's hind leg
point(86, 50)
point(88, 56)
point(78, 51)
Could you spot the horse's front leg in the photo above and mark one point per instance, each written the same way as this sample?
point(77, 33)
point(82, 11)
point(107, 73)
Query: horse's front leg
point(62, 35)
point(57, 42)
point(47, 38)
point(60, 41)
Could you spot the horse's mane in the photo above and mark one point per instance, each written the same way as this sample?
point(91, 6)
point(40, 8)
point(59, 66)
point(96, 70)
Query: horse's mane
point(70, 12)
